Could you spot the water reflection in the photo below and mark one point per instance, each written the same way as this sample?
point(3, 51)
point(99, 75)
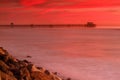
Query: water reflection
point(90, 54)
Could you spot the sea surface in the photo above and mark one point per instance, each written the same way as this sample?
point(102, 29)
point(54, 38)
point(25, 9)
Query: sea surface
point(78, 53)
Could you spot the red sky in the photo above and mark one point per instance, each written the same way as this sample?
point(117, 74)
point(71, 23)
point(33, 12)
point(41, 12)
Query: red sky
point(102, 12)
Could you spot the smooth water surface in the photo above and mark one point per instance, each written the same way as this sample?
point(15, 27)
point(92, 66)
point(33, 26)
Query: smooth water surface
point(82, 54)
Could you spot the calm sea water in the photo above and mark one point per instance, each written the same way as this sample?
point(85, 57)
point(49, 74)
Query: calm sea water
point(82, 54)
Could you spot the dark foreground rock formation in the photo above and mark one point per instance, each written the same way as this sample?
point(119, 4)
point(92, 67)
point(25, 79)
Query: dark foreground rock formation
point(14, 69)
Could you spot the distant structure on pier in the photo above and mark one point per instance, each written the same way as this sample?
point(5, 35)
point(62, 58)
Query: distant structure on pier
point(90, 24)
point(32, 25)
point(12, 24)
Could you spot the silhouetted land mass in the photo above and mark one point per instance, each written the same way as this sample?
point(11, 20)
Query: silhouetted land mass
point(88, 24)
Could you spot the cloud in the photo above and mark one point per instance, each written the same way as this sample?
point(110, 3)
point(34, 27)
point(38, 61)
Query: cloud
point(46, 6)
point(61, 3)
point(50, 6)
point(32, 2)
point(9, 1)
point(48, 3)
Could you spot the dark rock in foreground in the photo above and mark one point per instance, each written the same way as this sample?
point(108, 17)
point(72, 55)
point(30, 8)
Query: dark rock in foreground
point(14, 69)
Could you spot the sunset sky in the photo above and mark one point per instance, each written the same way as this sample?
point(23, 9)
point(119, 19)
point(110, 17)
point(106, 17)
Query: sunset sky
point(101, 12)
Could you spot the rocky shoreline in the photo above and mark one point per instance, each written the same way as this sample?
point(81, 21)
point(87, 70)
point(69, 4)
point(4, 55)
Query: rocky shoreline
point(14, 69)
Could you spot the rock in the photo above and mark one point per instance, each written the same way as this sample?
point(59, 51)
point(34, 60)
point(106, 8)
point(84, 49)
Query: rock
point(55, 73)
point(68, 78)
point(29, 56)
point(5, 68)
point(2, 50)
point(14, 69)
point(41, 76)
point(47, 72)
point(24, 73)
point(39, 68)
point(26, 61)
point(30, 67)
point(4, 57)
point(4, 76)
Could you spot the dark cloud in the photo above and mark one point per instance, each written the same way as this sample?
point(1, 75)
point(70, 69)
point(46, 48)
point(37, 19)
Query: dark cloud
point(62, 3)
point(9, 1)
point(29, 3)
point(49, 3)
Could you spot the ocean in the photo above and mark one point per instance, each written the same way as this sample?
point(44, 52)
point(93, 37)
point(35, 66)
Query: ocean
point(78, 53)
